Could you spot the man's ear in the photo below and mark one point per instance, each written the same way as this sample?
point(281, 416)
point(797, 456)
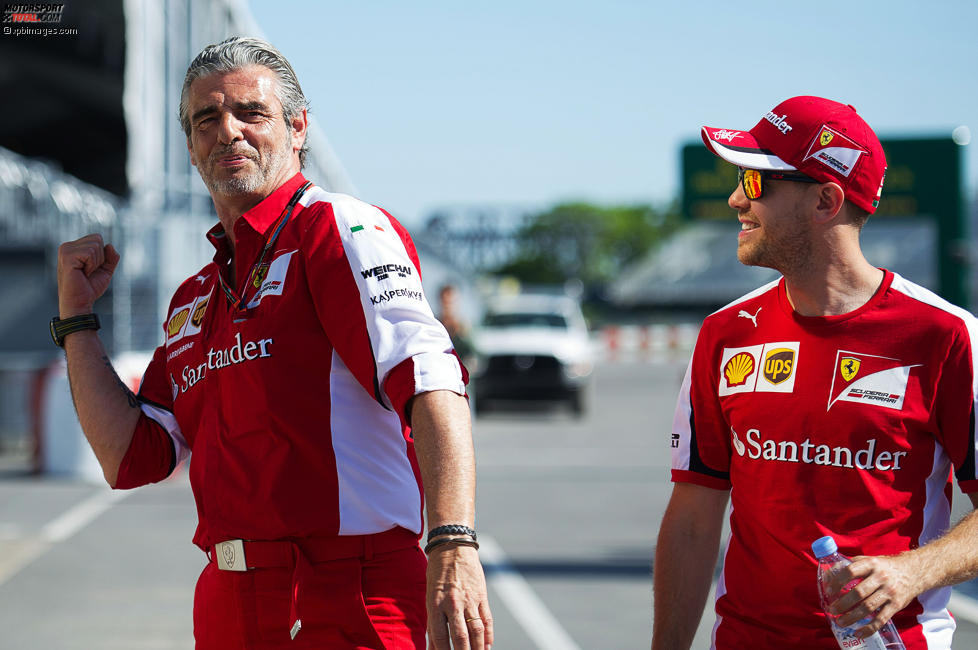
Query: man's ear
point(830, 199)
point(299, 124)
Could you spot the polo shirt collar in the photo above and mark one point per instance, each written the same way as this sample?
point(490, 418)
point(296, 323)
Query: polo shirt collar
point(259, 218)
point(267, 212)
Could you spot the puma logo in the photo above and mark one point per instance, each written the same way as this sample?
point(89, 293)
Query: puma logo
point(753, 318)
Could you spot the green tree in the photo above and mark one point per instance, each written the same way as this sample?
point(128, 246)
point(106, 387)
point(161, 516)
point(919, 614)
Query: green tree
point(587, 242)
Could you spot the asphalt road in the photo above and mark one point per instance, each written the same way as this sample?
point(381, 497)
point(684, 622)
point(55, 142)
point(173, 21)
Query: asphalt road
point(568, 510)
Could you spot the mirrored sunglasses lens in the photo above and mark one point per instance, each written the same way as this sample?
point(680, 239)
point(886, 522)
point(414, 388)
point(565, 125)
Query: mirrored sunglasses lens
point(752, 183)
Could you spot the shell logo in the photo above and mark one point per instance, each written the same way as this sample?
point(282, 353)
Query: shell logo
point(176, 323)
point(738, 369)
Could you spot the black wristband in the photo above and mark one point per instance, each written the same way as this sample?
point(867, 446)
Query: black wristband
point(458, 541)
point(451, 529)
point(60, 328)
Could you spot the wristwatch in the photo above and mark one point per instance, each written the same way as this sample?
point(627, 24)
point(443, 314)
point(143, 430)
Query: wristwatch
point(62, 327)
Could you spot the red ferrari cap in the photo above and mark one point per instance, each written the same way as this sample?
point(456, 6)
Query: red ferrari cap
point(824, 139)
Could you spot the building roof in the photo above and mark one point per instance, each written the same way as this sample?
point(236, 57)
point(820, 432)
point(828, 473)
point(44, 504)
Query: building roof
point(698, 267)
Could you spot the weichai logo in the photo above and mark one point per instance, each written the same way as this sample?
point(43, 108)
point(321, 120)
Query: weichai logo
point(384, 271)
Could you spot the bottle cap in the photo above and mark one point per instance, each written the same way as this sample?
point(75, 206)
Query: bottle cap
point(824, 546)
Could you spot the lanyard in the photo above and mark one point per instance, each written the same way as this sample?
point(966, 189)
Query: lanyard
point(234, 300)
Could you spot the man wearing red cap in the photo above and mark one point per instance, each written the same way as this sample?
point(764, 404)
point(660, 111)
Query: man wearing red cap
point(836, 401)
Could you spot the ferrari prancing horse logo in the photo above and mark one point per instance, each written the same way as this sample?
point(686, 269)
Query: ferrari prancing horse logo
point(259, 274)
point(228, 551)
point(849, 367)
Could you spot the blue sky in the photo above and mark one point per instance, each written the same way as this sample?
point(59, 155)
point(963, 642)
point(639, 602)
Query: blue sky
point(433, 104)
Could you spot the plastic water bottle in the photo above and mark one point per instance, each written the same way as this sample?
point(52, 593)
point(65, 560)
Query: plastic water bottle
point(830, 560)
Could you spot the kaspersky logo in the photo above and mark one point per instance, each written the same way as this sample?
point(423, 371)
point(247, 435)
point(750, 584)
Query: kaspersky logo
point(869, 379)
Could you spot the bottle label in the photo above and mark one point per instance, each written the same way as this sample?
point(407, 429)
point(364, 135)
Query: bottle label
point(848, 641)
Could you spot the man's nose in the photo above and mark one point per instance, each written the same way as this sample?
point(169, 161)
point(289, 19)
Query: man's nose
point(738, 199)
point(230, 129)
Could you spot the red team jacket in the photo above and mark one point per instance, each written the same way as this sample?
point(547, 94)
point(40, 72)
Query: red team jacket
point(293, 402)
point(847, 426)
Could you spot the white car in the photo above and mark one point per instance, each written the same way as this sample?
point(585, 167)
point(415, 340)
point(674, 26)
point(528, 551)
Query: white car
point(532, 347)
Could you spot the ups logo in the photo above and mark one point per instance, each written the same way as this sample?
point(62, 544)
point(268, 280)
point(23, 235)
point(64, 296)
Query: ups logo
point(778, 364)
point(199, 310)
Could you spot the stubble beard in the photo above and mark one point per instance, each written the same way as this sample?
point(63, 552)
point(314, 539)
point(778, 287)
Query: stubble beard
point(788, 252)
point(244, 181)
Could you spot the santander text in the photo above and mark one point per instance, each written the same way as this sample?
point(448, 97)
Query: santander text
point(811, 453)
point(217, 359)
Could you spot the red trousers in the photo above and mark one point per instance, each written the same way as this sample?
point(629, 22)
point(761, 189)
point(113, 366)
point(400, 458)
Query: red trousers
point(375, 602)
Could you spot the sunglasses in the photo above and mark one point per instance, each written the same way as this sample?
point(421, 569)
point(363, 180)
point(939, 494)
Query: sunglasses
point(753, 187)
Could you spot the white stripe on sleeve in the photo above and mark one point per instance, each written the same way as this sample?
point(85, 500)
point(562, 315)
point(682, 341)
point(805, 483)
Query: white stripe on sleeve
point(399, 320)
point(169, 423)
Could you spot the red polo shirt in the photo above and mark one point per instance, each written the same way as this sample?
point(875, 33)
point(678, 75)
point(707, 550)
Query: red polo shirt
point(292, 400)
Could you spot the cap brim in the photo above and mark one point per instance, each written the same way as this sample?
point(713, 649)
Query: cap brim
point(742, 149)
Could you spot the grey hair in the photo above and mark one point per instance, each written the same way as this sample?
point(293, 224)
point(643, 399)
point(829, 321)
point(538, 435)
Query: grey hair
point(238, 52)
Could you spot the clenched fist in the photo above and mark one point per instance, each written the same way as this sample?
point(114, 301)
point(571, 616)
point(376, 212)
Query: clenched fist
point(85, 267)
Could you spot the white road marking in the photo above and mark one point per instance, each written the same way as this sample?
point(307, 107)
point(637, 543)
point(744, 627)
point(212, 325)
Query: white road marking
point(520, 599)
point(58, 530)
point(70, 522)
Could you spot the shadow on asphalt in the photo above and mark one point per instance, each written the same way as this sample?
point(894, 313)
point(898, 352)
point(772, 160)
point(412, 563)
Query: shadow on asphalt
point(583, 568)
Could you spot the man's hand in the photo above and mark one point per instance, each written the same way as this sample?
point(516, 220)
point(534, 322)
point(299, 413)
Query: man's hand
point(85, 267)
point(887, 585)
point(458, 605)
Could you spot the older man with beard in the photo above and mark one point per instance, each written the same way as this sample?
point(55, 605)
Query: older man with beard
point(303, 367)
